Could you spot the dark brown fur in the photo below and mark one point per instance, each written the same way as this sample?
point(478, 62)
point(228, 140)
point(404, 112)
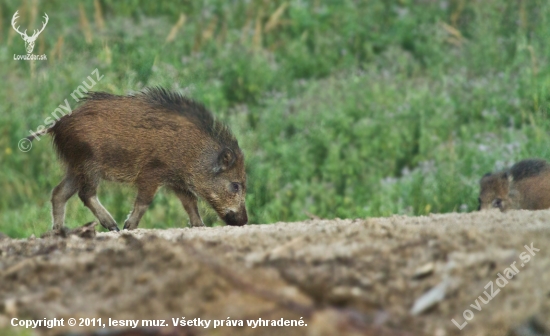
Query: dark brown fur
point(150, 139)
point(526, 185)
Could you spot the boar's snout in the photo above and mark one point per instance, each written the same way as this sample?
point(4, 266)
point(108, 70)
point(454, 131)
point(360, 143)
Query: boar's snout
point(233, 218)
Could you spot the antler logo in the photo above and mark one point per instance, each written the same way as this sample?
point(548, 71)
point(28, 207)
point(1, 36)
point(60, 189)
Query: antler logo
point(29, 40)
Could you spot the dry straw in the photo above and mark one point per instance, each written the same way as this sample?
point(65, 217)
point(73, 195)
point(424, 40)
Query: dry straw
point(455, 37)
point(208, 33)
point(85, 25)
point(98, 15)
point(175, 28)
point(1, 24)
point(57, 48)
point(33, 14)
point(455, 15)
point(275, 18)
point(257, 39)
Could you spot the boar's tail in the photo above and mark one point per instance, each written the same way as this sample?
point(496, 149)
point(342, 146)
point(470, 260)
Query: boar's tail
point(35, 135)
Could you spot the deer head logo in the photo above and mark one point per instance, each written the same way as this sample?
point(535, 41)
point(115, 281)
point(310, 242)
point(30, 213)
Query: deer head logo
point(29, 40)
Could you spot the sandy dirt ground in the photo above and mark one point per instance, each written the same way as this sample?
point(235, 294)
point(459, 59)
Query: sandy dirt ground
point(378, 276)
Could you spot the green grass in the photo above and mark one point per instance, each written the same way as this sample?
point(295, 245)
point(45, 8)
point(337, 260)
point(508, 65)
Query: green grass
point(343, 108)
point(17, 331)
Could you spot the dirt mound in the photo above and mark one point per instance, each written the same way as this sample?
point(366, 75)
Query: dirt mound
point(392, 276)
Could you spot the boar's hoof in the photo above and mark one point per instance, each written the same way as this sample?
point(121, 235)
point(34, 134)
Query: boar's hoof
point(114, 228)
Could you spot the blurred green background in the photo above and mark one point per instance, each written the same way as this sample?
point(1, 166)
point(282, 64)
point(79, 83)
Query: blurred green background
point(343, 108)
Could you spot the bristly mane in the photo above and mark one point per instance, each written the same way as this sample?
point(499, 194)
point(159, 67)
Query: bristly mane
point(174, 102)
point(528, 168)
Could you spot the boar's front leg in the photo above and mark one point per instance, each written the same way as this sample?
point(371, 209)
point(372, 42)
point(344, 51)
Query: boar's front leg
point(189, 202)
point(146, 193)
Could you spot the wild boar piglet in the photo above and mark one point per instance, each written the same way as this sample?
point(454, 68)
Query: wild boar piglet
point(525, 185)
point(151, 139)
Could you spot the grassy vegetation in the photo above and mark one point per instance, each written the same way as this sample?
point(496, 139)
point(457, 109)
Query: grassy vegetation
point(343, 108)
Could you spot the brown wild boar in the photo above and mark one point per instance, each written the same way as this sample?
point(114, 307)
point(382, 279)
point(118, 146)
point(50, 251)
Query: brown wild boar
point(526, 185)
point(150, 139)
point(493, 193)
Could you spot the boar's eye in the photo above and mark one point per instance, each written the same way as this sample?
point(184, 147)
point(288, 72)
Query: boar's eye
point(235, 187)
point(497, 203)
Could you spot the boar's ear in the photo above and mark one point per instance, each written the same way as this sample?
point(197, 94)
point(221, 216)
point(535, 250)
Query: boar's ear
point(226, 159)
point(484, 177)
point(508, 176)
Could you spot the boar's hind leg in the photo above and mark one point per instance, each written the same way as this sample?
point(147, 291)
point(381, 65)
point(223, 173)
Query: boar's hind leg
point(87, 194)
point(189, 202)
point(60, 195)
point(146, 193)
